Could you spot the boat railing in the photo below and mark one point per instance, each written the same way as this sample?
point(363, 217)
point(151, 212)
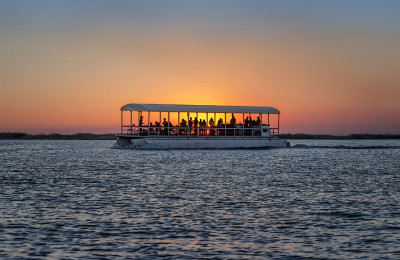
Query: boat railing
point(228, 130)
point(274, 132)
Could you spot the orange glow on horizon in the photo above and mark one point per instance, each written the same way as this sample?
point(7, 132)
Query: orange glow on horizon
point(331, 80)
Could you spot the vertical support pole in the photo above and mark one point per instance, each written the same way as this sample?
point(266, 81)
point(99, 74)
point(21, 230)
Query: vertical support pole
point(268, 119)
point(225, 124)
point(179, 120)
point(188, 129)
point(198, 125)
point(159, 129)
point(131, 122)
point(140, 128)
point(168, 123)
point(122, 120)
point(234, 130)
point(234, 126)
point(279, 115)
point(215, 124)
point(206, 130)
point(148, 123)
point(243, 126)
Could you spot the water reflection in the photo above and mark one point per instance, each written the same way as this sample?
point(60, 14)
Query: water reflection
point(74, 199)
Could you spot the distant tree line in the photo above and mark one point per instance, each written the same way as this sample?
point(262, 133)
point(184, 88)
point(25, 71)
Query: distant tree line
point(56, 136)
point(15, 135)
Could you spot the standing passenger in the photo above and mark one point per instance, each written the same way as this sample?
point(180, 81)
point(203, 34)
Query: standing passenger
point(165, 124)
point(220, 122)
point(196, 125)
point(246, 122)
point(233, 120)
point(141, 121)
point(203, 126)
point(190, 125)
point(232, 125)
point(212, 125)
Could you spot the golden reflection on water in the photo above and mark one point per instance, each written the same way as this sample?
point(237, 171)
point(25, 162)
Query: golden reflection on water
point(83, 199)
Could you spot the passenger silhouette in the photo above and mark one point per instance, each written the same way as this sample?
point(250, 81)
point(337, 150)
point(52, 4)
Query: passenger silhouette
point(165, 124)
point(246, 122)
point(211, 122)
point(196, 125)
point(233, 120)
point(190, 125)
point(183, 124)
point(141, 121)
point(212, 125)
point(219, 125)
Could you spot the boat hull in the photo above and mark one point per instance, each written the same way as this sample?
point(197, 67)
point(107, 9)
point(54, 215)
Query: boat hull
point(198, 143)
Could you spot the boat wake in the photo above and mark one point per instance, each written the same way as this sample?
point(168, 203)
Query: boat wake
point(346, 147)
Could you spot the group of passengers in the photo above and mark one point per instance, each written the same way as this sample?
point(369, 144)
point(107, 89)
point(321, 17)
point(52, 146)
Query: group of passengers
point(193, 126)
point(199, 127)
point(248, 122)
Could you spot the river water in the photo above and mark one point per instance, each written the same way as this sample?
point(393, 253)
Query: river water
point(83, 199)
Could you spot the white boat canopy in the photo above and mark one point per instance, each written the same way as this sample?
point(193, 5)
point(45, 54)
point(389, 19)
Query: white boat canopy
point(200, 109)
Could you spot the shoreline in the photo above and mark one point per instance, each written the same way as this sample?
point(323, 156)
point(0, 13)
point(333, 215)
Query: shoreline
point(90, 136)
point(56, 136)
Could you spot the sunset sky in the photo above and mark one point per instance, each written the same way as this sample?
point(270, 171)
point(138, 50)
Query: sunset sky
point(330, 67)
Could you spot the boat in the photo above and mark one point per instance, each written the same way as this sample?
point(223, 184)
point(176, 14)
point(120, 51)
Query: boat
point(160, 126)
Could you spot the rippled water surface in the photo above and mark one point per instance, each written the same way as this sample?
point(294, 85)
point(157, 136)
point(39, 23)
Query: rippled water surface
point(82, 199)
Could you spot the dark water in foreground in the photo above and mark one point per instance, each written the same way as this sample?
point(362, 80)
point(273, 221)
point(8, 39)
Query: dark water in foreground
point(82, 199)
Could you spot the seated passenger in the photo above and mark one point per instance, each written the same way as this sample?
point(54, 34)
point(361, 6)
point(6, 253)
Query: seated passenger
point(140, 124)
point(158, 127)
point(220, 122)
point(219, 125)
point(171, 128)
point(183, 124)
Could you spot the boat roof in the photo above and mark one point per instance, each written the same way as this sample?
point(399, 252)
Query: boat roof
point(198, 108)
